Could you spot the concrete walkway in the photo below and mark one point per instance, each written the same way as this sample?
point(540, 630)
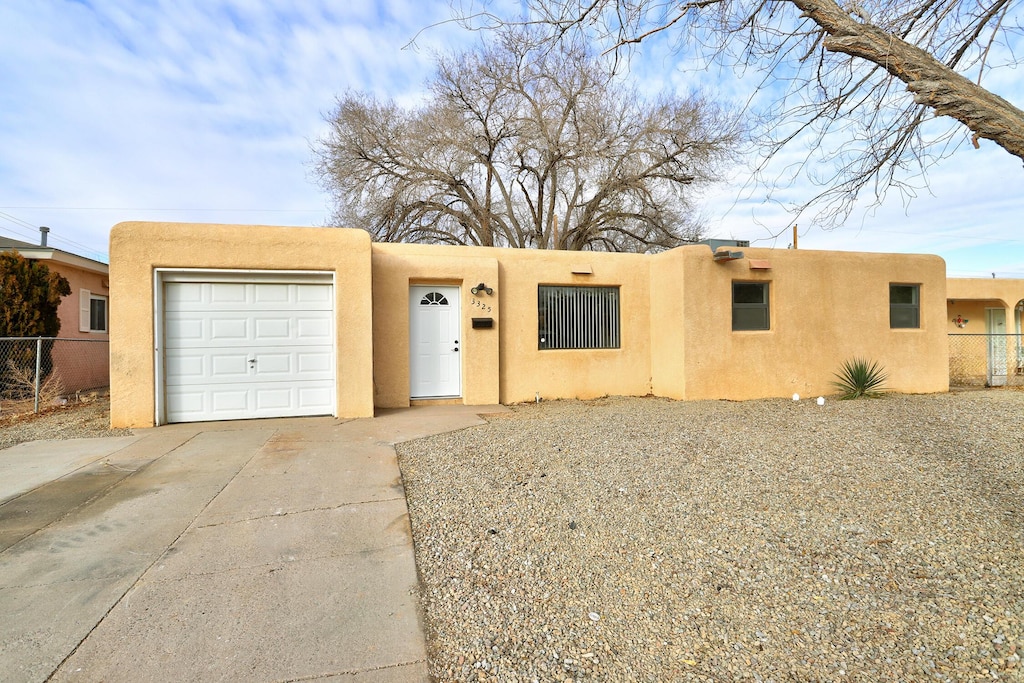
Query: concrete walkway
point(270, 550)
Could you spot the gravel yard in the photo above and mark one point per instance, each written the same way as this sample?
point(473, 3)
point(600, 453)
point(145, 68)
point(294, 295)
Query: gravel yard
point(89, 418)
point(642, 539)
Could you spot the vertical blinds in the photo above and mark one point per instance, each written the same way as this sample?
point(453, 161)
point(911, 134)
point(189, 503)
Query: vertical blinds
point(578, 317)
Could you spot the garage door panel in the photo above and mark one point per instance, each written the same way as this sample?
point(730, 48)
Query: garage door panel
point(229, 329)
point(229, 400)
point(313, 329)
point(247, 350)
point(273, 294)
point(314, 299)
point(229, 366)
point(314, 363)
point(219, 296)
point(184, 366)
point(311, 397)
point(270, 364)
point(225, 293)
point(232, 328)
point(276, 398)
point(273, 328)
point(181, 330)
point(183, 295)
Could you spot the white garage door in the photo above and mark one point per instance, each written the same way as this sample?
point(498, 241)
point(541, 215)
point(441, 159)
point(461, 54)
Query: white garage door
point(237, 350)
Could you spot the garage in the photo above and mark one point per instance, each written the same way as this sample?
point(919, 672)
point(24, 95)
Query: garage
point(247, 346)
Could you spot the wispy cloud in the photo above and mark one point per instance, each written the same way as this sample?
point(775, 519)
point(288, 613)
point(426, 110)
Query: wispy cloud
point(116, 110)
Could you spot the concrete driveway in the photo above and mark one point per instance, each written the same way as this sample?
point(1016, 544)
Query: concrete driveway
point(270, 550)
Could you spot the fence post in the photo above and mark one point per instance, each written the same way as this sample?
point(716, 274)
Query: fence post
point(39, 354)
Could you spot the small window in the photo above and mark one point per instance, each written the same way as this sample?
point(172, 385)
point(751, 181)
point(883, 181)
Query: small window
point(578, 317)
point(434, 299)
point(92, 312)
point(904, 306)
point(97, 314)
point(750, 306)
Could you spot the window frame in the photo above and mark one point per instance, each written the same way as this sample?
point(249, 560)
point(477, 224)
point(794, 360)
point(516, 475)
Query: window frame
point(765, 305)
point(93, 299)
point(898, 308)
point(598, 334)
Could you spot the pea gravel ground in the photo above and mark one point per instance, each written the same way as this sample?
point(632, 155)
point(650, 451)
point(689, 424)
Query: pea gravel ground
point(86, 419)
point(641, 539)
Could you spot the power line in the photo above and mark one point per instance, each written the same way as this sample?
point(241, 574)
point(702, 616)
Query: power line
point(35, 233)
point(56, 240)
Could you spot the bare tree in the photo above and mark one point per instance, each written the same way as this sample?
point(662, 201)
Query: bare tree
point(524, 148)
point(875, 72)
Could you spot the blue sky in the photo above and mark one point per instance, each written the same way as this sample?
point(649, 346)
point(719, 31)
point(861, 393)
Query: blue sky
point(119, 110)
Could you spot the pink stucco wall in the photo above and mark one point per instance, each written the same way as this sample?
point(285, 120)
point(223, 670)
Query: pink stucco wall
point(85, 364)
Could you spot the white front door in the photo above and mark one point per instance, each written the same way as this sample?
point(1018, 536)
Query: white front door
point(435, 367)
point(236, 350)
point(995, 325)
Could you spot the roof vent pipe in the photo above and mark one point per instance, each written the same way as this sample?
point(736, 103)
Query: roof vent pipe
point(43, 230)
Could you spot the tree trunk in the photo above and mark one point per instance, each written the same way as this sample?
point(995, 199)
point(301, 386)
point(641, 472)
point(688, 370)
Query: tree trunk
point(933, 83)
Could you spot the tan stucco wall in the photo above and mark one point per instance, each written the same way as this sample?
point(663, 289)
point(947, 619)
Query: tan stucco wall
point(137, 249)
point(670, 287)
point(527, 371)
point(970, 297)
point(504, 364)
point(676, 324)
point(396, 267)
point(969, 354)
point(825, 307)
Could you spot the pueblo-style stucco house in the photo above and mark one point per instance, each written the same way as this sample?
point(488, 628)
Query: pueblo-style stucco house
point(230, 322)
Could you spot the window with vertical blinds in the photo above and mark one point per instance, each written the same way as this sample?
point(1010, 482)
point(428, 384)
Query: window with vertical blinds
point(578, 317)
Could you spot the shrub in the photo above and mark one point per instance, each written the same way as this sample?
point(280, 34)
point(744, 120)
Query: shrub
point(29, 296)
point(858, 377)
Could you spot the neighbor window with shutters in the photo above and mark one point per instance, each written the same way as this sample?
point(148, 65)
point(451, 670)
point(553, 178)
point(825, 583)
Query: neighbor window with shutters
point(904, 306)
point(577, 317)
point(92, 313)
point(750, 309)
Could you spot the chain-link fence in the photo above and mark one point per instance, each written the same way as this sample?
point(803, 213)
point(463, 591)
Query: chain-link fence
point(986, 360)
point(40, 372)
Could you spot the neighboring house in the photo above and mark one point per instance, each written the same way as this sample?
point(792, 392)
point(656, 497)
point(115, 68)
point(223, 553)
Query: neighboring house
point(230, 322)
point(84, 314)
point(985, 317)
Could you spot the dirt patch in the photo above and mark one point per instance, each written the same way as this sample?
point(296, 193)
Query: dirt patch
point(90, 417)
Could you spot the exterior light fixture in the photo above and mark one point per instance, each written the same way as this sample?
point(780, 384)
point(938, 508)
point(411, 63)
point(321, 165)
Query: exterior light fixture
point(721, 256)
point(481, 288)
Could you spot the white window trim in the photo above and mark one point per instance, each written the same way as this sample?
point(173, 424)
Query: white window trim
point(85, 299)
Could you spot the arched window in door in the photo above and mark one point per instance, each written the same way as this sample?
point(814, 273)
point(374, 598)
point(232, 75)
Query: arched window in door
point(433, 299)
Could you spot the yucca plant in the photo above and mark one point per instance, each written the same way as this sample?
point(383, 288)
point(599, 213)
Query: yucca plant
point(859, 377)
